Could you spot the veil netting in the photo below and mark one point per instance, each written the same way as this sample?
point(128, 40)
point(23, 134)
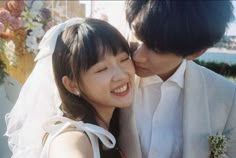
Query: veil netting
point(38, 100)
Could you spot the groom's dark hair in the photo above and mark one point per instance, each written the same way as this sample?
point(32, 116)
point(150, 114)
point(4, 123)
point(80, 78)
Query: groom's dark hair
point(180, 27)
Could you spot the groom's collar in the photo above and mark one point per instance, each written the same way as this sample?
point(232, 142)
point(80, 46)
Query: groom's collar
point(177, 77)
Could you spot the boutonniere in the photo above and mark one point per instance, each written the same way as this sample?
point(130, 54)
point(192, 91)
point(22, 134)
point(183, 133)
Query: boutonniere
point(218, 145)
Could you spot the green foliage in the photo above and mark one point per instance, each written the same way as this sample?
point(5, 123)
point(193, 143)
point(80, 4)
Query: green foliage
point(2, 65)
point(225, 69)
point(1, 45)
point(2, 72)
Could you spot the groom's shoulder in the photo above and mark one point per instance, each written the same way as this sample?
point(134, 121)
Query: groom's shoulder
point(216, 86)
point(212, 78)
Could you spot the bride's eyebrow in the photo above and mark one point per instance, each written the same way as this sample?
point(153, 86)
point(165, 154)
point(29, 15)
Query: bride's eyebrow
point(98, 65)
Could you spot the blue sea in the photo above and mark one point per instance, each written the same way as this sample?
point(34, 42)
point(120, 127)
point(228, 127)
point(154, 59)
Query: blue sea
point(229, 58)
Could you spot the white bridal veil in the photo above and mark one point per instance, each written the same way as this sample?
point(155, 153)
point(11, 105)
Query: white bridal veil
point(38, 100)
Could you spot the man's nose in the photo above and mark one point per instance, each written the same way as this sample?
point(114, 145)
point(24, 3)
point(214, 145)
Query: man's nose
point(139, 54)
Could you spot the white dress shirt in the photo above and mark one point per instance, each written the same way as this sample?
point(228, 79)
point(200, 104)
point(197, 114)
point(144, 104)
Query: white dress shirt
point(158, 110)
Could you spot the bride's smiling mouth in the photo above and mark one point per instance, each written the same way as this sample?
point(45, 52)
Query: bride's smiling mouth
point(121, 90)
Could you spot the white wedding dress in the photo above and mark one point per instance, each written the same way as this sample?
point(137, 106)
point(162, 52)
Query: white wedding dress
point(94, 132)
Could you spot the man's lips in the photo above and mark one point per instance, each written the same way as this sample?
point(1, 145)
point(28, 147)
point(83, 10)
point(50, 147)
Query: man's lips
point(137, 67)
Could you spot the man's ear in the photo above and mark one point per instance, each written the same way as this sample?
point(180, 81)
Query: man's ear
point(70, 85)
point(195, 55)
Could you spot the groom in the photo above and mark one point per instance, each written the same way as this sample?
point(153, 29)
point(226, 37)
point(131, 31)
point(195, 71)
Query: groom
point(178, 104)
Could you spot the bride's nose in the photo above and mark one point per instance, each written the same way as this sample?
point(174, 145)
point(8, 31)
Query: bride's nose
point(119, 73)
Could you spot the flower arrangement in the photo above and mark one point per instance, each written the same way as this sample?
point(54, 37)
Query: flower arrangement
point(22, 25)
point(218, 145)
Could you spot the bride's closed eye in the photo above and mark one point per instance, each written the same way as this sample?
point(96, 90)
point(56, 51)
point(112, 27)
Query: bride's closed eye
point(123, 57)
point(101, 69)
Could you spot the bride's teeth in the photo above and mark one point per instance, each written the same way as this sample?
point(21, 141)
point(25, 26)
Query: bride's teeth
point(121, 89)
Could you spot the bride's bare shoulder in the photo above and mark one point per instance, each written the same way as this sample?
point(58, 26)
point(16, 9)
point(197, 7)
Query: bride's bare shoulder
point(72, 144)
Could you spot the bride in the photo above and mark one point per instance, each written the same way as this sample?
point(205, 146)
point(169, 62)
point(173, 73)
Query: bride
point(86, 62)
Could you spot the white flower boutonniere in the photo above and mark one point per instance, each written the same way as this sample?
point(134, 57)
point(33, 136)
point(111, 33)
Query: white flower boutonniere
point(218, 145)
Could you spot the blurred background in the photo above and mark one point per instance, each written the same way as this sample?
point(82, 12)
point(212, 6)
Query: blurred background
point(24, 22)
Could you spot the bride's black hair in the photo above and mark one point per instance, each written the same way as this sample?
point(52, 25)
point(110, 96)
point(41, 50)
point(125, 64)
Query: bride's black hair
point(78, 48)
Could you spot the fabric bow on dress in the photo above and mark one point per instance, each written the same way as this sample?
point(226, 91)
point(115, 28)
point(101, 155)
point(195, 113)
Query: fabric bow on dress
point(57, 124)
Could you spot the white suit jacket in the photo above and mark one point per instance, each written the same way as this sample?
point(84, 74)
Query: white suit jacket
point(209, 107)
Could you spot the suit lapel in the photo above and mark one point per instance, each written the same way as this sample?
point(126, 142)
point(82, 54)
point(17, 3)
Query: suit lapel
point(196, 123)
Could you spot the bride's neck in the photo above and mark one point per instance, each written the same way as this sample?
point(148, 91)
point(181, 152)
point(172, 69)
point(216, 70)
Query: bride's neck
point(104, 117)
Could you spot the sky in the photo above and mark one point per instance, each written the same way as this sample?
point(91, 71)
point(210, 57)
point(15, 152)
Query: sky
point(232, 28)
